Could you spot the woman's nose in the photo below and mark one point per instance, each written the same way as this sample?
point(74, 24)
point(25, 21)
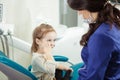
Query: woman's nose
point(79, 12)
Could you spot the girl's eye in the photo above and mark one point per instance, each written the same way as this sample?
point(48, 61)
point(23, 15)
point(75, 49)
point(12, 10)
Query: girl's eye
point(49, 40)
point(54, 39)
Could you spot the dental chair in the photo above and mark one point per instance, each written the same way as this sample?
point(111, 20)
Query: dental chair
point(75, 67)
point(8, 73)
point(16, 68)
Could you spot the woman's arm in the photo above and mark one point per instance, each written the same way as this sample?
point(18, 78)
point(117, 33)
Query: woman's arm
point(100, 49)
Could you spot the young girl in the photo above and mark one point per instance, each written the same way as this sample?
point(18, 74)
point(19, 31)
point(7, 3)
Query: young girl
point(43, 64)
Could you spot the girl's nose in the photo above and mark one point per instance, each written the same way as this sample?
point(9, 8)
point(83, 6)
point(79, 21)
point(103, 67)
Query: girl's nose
point(52, 45)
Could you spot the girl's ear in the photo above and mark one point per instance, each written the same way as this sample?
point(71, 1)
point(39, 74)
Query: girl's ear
point(37, 41)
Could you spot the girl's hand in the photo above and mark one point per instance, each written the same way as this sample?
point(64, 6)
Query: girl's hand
point(45, 47)
point(48, 56)
point(68, 68)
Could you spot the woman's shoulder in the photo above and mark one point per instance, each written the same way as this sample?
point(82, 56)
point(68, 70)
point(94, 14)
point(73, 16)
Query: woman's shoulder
point(104, 31)
point(103, 28)
point(108, 30)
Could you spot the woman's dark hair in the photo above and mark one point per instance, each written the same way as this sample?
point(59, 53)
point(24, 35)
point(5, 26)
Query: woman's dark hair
point(107, 13)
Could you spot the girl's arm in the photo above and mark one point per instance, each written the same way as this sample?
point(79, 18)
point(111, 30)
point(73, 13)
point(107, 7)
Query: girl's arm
point(46, 66)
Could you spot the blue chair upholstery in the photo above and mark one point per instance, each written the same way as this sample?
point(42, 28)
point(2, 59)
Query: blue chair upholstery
point(60, 58)
point(2, 54)
point(5, 60)
point(75, 70)
point(11, 74)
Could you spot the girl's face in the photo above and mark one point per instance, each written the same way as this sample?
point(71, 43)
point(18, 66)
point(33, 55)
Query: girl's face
point(50, 38)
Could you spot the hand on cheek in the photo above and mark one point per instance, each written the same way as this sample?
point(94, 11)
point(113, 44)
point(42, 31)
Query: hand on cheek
point(45, 47)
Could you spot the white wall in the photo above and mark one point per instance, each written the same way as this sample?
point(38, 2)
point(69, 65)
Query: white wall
point(25, 15)
point(44, 10)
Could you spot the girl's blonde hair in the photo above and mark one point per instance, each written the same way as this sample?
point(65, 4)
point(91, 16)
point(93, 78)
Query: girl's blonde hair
point(38, 33)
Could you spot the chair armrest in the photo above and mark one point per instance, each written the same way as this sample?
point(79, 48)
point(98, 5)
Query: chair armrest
point(60, 58)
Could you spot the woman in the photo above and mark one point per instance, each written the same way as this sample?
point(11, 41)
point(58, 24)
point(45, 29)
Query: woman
point(43, 64)
point(101, 51)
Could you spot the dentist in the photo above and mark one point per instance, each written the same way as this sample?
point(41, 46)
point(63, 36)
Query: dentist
point(101, 51)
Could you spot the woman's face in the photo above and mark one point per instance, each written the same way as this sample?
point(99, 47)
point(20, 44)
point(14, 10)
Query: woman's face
point(84, 13)
point(89, 17)
point(50, 38)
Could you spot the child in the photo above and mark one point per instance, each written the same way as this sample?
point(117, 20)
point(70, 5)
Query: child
point(43, 64)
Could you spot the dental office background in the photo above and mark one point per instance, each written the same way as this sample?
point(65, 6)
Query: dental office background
point(20, 17)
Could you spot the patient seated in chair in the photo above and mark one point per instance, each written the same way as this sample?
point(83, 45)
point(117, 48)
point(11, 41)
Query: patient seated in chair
point(43, 64)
